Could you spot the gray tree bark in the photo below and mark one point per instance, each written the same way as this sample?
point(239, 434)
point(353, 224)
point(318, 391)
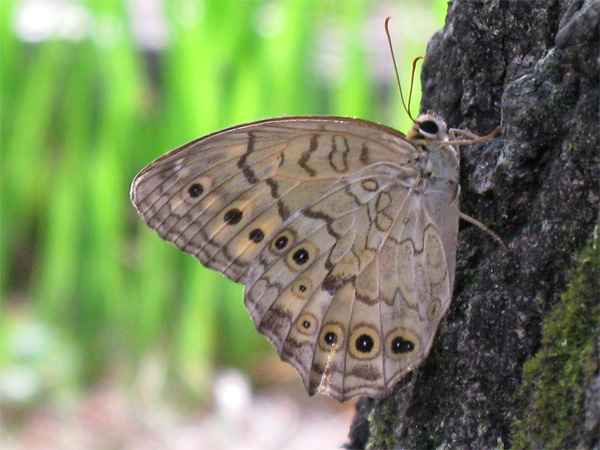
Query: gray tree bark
point(531, 67)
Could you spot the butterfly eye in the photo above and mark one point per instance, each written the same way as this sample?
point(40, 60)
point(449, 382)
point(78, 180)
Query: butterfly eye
point(302, 287)
point(198, 187)
point(282, 241)
point(364, 343)
point(256, 235)
point(401, 343)
point(233, 216)
point(301, 255)
point(195, 190)
point(307, 324)
point(429, 128)
point(332, 337)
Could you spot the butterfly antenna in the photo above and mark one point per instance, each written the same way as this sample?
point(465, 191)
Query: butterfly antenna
point(389, 38)
point(412, 79)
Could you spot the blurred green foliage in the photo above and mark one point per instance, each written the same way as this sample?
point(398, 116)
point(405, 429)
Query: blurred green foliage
point(82, 114)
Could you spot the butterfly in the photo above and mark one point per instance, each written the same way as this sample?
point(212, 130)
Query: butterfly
point(343, 232)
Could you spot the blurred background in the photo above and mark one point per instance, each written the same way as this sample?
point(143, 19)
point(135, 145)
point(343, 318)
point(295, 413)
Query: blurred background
point(109, 336)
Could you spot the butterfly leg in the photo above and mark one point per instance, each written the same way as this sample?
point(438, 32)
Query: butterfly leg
point(481, 226)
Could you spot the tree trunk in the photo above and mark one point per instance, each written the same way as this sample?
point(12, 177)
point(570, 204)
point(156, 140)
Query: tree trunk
point(515, 361)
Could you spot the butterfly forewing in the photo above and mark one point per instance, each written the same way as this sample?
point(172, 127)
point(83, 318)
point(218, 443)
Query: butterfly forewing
point(203, 195)
point(341, 230)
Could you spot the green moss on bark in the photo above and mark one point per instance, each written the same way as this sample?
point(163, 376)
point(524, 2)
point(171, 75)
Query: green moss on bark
point(555, 380)
point(382, 427)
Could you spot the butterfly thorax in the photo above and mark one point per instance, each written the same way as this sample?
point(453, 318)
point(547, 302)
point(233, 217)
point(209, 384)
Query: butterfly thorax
point(436, 162)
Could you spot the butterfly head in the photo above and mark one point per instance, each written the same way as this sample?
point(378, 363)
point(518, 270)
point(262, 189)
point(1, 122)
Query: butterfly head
point(430, 132)
point(427, 128)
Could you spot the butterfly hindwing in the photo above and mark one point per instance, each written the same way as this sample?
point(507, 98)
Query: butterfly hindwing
point(327, 316)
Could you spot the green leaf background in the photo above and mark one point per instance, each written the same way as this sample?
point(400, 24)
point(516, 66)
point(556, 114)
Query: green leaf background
point(87, 290)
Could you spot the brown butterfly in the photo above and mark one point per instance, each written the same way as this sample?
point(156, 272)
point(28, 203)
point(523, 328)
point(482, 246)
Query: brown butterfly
point(343, 232)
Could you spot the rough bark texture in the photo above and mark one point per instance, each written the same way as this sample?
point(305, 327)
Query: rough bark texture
point(531, 67)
